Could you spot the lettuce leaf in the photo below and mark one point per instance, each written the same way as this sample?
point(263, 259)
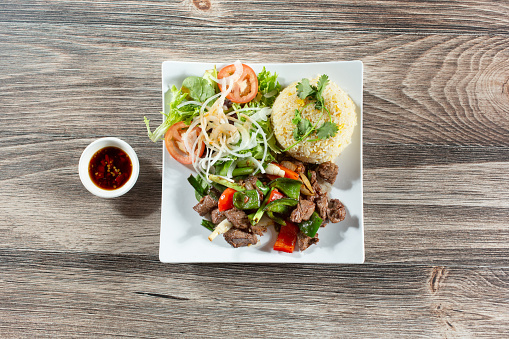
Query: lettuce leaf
point(268, 88)
point(199, 88)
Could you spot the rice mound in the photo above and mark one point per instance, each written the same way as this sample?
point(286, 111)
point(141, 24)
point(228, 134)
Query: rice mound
point(342, 109)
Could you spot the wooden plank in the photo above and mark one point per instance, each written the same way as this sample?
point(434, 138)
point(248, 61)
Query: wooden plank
point(474, 17)
point(82, 294)
point(411, 156)
point(437, 90)
point(442, 235)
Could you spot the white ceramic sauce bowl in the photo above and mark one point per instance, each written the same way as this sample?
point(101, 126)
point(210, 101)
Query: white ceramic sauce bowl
point(87, 155)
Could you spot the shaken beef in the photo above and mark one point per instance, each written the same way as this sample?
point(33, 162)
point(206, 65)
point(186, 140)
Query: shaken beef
point(250, 182)
point(217, 216)
point(238, 238)
point(206, 204)
point(322, 206)
point(320, 197)
point(259, 230)
point(303, 211)
point(311, 198)
point(301, 168)
point(319, 189)
point(328, 171)
point(238, 218)
point(336, 211)
point(304, 241)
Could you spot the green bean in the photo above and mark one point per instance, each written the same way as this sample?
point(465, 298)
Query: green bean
point(242, 171)
point(227, 183)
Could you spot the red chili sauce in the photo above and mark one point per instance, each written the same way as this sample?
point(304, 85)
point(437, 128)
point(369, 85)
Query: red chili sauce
point(110, 168)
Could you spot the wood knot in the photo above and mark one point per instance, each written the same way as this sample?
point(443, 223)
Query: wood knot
point(203, 5)
point(436, 275)
point(505, 87)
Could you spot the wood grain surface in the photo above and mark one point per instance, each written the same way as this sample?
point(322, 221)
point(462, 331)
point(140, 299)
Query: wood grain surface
point(436, 169)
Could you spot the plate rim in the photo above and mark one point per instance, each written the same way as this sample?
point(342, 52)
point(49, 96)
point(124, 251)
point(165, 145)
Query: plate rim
point(361, 168)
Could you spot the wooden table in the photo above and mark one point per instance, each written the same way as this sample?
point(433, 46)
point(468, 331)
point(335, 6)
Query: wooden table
point(436, 169)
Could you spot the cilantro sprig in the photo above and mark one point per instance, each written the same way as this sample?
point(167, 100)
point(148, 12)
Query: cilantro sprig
point(303, 127)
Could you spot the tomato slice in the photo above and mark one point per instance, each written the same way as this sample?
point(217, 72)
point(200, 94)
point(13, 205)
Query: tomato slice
point(226, 200)
point(175, 144)
point(244, 89)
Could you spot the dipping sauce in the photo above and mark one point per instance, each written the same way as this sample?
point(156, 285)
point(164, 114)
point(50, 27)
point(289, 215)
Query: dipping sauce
point(110, 168)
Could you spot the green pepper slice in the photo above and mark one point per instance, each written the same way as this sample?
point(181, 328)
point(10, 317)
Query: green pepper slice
point(246, 200)
point(311, 226)
point(200, 186)
point(264, 189)
point(208, 224)
point(290, 187)
point(227, 183)
point(281, 206)
point(275, 218)
point(259, 213)
point(240, 171)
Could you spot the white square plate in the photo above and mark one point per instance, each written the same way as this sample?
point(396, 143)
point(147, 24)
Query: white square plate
point(183, 239)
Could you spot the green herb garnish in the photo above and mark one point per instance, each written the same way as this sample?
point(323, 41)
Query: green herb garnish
point(307, 91)
point(303, 127)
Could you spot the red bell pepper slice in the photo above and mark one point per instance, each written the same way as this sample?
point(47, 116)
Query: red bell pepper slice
point(275, 195)
point(226, 200)
point(288, 172)
point(287, 238)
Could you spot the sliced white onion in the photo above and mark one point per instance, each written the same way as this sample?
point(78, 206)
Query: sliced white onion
point(239, 69)
point(231, 168)
point(258, 164)
point(262, 114)
point(223, 227)
point(263, 136)
point(270, 94)
point(274, 170)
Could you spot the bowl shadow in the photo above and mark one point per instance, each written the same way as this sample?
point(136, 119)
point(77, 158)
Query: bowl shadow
point(145, 196)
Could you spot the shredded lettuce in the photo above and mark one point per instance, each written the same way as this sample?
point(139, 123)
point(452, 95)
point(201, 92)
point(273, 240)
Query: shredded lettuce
point(271, 139)
point(209, 76)
point(268, 88)
point(185, 113)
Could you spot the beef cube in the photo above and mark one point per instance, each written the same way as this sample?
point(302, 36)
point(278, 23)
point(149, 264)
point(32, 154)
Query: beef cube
point(250, 184)
point(336, 211)
point(217, 216)
point(258, 229)
point(302, 211)
point(301, 168)
point(311, 198)
point(238, 218)
point(238, 238)
point(328, 171)
point(319, 191)
point(304, 241)
point(206, 205)
point(322, 206)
